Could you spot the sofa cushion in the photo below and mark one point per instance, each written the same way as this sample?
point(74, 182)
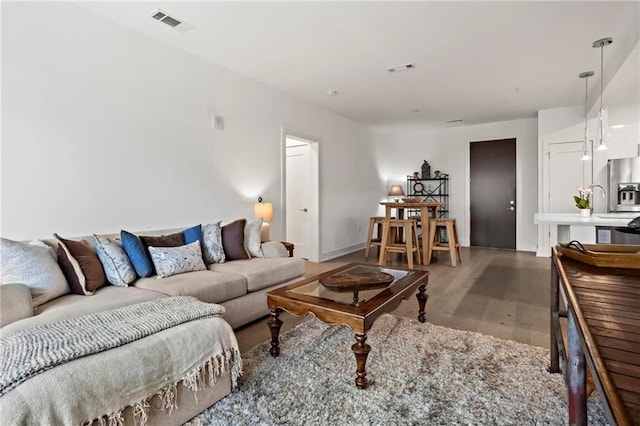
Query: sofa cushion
point(35, 266)
point(116, 263)
point(170, 261)
point(75, 305)
point(207, 286)
point(80, 265)
point(233, 240)
point(263, 272)
point(252, 241)
point(212, 242)
point(15, 303)
point(137, 253)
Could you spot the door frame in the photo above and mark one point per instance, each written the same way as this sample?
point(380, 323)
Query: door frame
point(467, 188)
point(313, 246)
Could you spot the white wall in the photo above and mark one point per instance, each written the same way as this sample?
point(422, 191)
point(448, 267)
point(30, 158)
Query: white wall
point(104, 129)
point(447, 150)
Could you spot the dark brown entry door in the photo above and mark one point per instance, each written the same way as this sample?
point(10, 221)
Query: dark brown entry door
point(493, 193)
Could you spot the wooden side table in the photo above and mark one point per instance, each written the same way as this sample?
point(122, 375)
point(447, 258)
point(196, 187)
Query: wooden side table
point(289, 247)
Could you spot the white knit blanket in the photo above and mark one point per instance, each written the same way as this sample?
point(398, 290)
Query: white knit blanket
point(29, 352)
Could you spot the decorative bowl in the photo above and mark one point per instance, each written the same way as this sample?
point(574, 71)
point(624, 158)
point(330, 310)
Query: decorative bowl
point(411, 200)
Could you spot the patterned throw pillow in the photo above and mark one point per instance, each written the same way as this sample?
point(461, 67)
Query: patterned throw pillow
point(115, 261)
point(212, 242)
point(177, 260)
point(252, 242)
point(80, 265)
point(34, 265)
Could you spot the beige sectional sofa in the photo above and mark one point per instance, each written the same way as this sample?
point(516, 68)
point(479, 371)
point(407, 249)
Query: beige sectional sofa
point(238, 285)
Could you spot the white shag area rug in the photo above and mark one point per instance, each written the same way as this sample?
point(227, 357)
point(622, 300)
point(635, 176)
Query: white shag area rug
point(422, 374)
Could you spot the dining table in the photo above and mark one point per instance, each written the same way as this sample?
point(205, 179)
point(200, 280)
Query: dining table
point(428, 209)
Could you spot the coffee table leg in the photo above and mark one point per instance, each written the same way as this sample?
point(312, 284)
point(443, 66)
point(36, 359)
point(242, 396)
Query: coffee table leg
point(361, 350)
point(422, 301)
point(274, 324)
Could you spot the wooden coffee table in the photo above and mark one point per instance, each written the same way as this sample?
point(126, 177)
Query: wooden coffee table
point(347, 298)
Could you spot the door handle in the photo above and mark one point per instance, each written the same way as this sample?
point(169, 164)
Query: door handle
point(303, 210)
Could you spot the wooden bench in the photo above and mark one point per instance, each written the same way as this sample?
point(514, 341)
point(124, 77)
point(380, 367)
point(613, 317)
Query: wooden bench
point(603, 332)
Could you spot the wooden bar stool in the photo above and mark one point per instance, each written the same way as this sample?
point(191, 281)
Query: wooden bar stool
point(453, 244)
point(410, 246)
point(371, 241)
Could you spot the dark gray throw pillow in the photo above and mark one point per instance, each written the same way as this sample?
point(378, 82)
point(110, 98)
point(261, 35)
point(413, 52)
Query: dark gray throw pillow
point(233, 240)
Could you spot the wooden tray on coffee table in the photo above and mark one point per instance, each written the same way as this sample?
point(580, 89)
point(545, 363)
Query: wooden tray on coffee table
point(603, 255)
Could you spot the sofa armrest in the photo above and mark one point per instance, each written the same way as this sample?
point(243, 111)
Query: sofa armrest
point(15, 303)
point(274, 249)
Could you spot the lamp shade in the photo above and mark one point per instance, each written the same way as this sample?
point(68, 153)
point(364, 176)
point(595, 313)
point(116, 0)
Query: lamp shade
point(395, 190)
point(263, 210)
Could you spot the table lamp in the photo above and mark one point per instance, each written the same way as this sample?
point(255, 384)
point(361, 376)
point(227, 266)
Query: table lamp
point(396, 191)
point(264, 211)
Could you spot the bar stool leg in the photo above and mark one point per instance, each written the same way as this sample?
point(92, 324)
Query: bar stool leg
point(383, 243)
point(417, 241)
point(432, 235)
point(408, 244)
point(369, 238)
point(452, 244)
point(455, 233)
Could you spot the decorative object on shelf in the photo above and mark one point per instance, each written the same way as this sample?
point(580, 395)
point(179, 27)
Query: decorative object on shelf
point(416, 175)
point(436, 173)
point(601, 134)
point(426, 170)
point(396, 191)
point(264, 211)
point(411, 200)
point(585, 142)
point(418, 188)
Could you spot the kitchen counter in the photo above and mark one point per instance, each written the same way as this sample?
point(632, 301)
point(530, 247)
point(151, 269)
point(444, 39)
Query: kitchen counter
point(606, 219)
point(564, 227)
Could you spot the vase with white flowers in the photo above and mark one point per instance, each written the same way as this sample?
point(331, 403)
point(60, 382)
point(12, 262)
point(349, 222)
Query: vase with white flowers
point(582, 201)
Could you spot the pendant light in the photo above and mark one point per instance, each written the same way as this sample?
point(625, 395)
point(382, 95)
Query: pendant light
point(601, 134)
point(585, 147)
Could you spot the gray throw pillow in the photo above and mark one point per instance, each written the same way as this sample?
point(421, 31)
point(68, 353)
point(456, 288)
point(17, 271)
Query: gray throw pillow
point(35, 266)
point(212, 243)
point(177, 260)
point(252, 242)
point(116, 263)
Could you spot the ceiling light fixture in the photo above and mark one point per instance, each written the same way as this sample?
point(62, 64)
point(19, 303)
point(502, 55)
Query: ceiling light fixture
point(601, 134)
point(459, 120)
point(332, 92)
point(585, 145)
point(403, 67)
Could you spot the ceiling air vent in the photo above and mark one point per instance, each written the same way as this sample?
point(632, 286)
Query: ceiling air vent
point(172, 21)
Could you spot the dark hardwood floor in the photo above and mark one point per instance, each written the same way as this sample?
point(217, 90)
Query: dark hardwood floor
point(502, 293)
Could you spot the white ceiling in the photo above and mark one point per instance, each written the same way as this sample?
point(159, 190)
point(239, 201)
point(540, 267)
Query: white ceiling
point(476, 61)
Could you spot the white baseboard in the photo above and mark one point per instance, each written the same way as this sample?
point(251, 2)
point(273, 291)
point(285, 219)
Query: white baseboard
point(341, 252)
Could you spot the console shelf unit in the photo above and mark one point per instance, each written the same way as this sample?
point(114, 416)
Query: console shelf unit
point(430, 189)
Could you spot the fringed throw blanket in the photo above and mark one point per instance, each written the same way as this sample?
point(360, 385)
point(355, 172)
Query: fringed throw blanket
point(29, 352)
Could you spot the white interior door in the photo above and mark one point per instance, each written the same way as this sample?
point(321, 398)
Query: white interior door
point(567, 172)
point(297, 196)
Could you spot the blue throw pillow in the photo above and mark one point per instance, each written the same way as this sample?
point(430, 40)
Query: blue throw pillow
point(193, 234)
point(137, 254)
